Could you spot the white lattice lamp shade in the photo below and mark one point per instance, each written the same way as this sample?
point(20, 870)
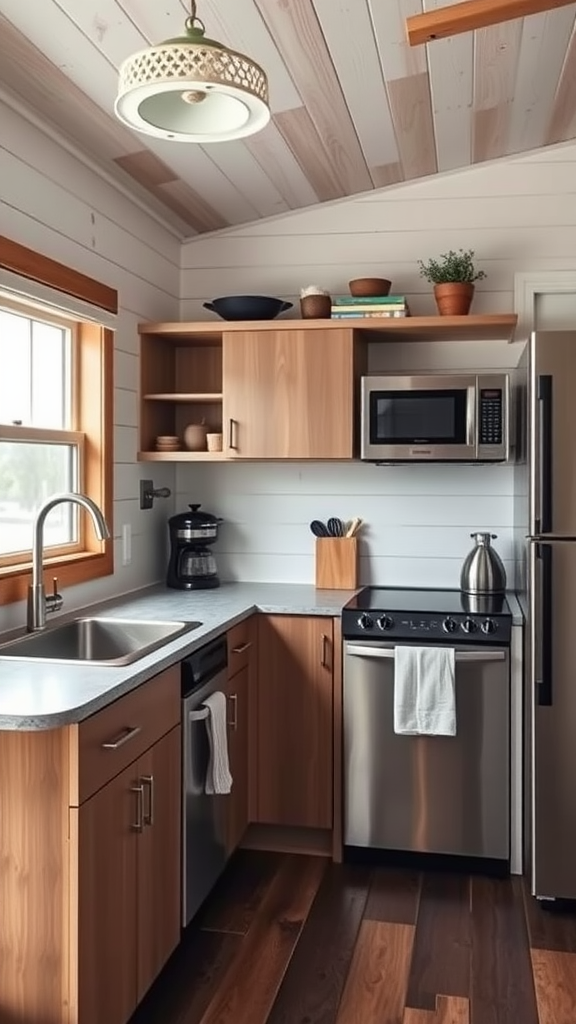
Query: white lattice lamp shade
point(192, 89)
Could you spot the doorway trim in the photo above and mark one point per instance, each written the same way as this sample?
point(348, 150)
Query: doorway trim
point(527, 285)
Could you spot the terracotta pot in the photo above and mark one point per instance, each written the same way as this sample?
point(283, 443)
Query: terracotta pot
point(316, 307)
point(454, 298)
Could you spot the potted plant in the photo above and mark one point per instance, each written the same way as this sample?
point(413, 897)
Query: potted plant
point(453, 275)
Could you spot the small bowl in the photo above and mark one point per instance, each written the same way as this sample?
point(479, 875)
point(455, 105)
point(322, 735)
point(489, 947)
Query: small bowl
point(367, 287)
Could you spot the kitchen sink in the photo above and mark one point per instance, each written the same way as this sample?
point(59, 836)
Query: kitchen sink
point(97, 641)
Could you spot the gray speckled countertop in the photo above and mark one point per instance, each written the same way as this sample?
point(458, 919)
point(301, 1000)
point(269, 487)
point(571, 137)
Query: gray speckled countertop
point(40, 695)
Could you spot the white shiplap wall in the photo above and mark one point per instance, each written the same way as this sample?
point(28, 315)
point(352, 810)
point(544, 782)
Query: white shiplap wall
point(418, 518)
point(518, 215)
point(56, 204)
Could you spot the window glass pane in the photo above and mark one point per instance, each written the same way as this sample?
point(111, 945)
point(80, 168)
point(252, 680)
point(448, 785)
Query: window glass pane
point(30, 473)
point(35, 360)
point(15, 363)
point(49, 376)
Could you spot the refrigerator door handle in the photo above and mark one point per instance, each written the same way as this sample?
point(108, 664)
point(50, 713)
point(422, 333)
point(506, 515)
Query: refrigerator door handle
point(545, 445)
point(541, 614)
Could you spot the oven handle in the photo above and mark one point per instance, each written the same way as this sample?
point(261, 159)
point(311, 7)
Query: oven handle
point(388, 652)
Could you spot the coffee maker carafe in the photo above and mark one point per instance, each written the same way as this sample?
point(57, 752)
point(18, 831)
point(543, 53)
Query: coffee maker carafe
point(192, 565)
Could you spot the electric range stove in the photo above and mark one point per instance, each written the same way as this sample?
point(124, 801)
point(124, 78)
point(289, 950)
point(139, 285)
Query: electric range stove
point(427, 616)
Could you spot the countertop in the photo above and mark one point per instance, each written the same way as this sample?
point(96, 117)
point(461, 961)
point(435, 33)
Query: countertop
point(40, 695)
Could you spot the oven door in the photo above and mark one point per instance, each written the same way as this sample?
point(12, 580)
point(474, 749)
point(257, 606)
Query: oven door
point(418, 418)
point(430, 794)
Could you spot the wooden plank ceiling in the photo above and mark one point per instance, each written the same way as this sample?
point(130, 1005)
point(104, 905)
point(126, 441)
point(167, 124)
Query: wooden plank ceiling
point(354, 106)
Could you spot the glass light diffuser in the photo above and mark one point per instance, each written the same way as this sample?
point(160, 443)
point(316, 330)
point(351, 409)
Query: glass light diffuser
point(192, 89)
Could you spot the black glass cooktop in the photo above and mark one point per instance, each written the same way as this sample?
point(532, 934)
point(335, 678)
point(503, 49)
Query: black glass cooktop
point(390, 599)
point(442, 616)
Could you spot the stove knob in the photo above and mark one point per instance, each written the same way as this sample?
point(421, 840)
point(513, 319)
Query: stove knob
point(385, 622)
point(365, 622)
point(449, 625)
point(469, 626)
point(488, 626)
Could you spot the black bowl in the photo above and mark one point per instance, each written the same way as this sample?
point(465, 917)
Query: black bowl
point(247, 307)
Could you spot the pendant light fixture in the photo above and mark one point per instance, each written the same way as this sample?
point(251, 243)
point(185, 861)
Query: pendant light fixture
point(192, 89)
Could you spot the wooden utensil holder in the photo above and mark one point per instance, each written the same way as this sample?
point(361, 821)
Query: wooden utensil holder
point(336, 563)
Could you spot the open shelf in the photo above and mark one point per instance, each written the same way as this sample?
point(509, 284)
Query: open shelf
point(198, 396)
point(183, 456)
point(490, 327)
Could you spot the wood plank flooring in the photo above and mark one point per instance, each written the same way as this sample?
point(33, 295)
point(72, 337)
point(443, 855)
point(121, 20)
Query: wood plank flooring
point(289, 939)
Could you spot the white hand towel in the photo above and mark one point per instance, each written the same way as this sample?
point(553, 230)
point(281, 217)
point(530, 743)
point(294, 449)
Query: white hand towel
point(218, 777)
point(424, 691)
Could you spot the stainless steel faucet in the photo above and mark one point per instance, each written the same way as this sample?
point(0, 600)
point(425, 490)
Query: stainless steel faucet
point(38, 604)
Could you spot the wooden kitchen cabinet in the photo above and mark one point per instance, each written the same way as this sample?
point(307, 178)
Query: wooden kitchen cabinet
point(128, 883)
point(281, 389)
point(241, 667)
point(289, 394)
point(294, 764)
point(158, 861)
point(90, 903)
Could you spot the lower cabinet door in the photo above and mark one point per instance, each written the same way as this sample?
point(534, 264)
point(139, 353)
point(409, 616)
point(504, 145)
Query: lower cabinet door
point(294, 714)
point(159, 856)
point(107, 866)
point(237, 700)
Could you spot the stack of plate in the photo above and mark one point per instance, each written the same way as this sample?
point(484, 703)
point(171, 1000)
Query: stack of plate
point(167, 443)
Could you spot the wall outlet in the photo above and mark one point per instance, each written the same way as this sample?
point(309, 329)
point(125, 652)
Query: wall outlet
point(126, 544)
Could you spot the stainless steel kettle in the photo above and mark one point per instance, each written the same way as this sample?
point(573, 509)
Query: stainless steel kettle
point(483, 571)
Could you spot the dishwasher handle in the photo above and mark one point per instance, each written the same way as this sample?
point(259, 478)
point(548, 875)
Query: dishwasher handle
point(361, 651)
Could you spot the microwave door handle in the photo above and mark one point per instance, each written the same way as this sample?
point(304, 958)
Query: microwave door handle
point(472, 414)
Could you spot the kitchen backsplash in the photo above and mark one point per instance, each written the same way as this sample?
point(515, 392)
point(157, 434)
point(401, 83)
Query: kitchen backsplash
point(418, 518)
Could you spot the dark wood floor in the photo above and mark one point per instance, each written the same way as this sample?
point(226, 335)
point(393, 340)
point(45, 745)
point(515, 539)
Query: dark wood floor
point(287, 939)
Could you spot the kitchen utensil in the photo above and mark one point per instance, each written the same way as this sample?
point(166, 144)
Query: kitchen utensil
point(483, 571)
point(247, 307)
point(318, 528)
point(353, 526)
point(335, 527)
point(364, 287)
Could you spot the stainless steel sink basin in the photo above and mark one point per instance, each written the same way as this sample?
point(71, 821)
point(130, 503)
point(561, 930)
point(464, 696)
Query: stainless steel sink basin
point(99, 641)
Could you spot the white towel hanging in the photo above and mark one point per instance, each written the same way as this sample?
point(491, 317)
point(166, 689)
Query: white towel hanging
point(218, 777)
point(424, 691)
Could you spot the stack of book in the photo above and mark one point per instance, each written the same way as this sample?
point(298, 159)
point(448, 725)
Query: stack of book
point(345, 307)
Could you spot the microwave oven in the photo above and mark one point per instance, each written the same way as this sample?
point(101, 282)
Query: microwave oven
point(435, 418)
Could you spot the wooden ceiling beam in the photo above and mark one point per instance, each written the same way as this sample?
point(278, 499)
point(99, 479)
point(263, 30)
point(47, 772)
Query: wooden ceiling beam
point(472, 14)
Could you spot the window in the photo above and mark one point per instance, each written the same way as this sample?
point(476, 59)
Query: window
point(55, 420)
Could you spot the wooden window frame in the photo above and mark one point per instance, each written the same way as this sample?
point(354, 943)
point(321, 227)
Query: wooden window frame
point(95, 396)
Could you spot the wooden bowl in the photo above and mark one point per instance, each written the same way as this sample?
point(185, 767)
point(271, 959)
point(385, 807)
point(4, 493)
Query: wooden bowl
point(364, 287)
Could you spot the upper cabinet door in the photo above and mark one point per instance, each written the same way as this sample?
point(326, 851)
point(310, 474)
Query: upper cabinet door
point(289, 394)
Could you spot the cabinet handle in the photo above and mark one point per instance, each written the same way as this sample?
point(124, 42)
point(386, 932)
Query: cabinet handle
point(231, 433)
point(323, 650)
point(139, 790)
point(233, 698)
point(242, 648)
point(148, 781)
point(123, 738)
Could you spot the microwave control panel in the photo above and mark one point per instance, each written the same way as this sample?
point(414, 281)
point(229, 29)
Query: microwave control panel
point(490, 416)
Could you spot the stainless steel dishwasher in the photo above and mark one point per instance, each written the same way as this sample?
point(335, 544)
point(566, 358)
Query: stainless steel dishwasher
point(427, 794)
point(204, 851)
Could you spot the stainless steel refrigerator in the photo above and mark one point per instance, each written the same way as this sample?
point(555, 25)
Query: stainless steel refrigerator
point(551, 632)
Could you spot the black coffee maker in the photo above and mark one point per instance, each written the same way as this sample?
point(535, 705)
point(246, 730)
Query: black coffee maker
point(192, 565)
